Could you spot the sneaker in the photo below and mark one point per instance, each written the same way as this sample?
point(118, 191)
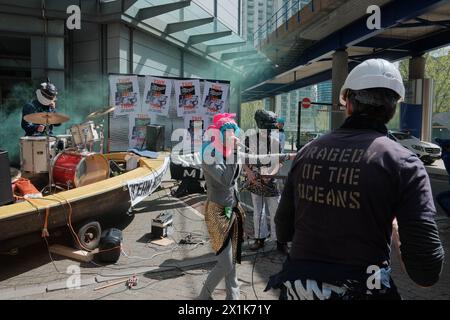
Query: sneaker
point(258, 244)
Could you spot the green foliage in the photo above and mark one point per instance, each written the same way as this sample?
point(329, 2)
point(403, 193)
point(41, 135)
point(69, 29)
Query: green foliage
point(248, 110)
point(437, 68)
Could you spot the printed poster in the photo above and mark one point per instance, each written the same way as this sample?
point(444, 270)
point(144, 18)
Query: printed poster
point(125, 94)
point(187, 93)
point(196, 125)
point(214, 98)
point(157, 95)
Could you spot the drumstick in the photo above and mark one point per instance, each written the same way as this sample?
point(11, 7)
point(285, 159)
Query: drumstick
point(111, 284)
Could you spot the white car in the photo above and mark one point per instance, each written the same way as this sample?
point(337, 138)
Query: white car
point(426, 151)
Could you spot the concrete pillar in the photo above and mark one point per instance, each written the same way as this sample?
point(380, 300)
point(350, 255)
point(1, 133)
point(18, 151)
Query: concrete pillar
point(417, 68)
point(423, 93)
point(339, 74)
point(427, 114)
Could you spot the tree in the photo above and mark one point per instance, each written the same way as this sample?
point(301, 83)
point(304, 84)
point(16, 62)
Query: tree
point(437, 67)
point(248, 110)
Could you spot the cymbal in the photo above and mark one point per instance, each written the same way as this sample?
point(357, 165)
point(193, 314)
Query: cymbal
point(100, 113)
point(46, 118)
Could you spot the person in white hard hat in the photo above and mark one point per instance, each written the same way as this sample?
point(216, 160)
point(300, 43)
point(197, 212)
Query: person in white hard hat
point(344, 191)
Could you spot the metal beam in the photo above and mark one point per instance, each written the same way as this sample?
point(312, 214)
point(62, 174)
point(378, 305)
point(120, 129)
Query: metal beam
point(224, 46)
point(270, 89)
point(382, 54)
point(411, 25)
point(443, 23)
point(153, 11)
point(394, 13)
point(413, 47)
point(380, 42)
point(184, 25)
point(238, 54)
point(127, 4)
point(410, 48)
point(252, 65)
point(429, 43)
point(243, 62)
point(199, 38)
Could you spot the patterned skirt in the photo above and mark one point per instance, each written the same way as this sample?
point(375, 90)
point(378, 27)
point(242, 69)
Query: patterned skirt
point(220, 228)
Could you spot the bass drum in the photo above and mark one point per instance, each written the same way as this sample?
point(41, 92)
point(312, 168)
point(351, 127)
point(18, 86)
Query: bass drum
point(74, 169)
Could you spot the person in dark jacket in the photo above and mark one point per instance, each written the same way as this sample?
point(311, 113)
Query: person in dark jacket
point(343, 194)
point(45, 102)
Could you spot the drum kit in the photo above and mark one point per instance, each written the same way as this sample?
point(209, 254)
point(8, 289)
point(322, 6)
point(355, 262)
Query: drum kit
point(69, 160)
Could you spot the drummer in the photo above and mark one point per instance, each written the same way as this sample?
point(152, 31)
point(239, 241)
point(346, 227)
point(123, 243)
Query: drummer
point(45, 102)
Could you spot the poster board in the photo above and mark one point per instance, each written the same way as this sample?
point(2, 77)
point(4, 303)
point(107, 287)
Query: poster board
point(124, 94)
point(126, 129)
point(157, 94)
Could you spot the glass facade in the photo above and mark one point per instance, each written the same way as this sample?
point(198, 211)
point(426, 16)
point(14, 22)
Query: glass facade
point(324, 92)
point(313, 119)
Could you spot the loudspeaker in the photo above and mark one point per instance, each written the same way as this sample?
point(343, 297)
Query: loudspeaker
point(155, 138)
point(110, 245)
point(6, 195)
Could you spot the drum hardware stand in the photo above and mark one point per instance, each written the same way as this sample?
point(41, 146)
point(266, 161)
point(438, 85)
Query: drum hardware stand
point(49, 162)
point(85, 132)
point(102, 138)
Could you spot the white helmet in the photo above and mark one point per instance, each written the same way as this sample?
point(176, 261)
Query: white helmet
point(374, 73)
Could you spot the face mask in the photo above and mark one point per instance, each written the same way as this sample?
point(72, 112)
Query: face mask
point(43, 100)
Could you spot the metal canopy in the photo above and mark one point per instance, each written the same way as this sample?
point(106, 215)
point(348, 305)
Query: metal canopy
point(184, 25)
point(208, 36)
point(243, 62)
point(128, 3)
point(429, 30)
point(224, 46)
point(193, 26)
point(237, 54)
point(153, 11)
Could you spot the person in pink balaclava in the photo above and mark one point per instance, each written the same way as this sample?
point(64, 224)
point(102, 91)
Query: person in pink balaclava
point(223, 215)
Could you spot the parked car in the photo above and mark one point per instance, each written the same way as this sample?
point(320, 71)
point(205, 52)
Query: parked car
point(427, 152)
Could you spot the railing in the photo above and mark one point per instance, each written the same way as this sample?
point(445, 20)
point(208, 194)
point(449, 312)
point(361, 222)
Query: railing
point(280, 17)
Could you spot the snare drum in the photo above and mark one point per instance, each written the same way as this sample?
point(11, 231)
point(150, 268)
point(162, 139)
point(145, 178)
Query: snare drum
point(84, 133)
point(35, 153)
point(73, 169)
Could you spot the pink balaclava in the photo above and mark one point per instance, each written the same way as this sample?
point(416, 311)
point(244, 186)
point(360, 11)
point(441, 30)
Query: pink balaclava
point(221, 123)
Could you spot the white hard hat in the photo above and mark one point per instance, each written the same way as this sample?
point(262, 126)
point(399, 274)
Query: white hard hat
point(374, 73)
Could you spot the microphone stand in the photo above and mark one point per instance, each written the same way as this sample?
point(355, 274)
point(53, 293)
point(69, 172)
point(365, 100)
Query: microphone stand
point(49, 163)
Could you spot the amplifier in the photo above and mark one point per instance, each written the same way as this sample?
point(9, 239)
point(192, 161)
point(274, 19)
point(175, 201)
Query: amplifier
point(155, 138)
point(162, 226)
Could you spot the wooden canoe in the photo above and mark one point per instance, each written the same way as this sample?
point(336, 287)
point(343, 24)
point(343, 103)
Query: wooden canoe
point(109, 196)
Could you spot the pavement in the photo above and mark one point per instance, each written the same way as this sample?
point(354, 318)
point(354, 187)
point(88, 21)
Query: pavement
point(176, 271)
point(173, 272)
point(437, 170)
